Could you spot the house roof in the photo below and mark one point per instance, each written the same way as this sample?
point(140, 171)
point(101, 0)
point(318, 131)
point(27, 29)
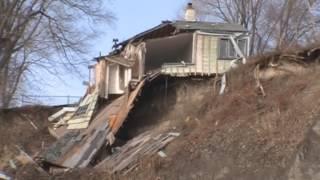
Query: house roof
point(167, 28)
point(208, 26)
point(116, 59)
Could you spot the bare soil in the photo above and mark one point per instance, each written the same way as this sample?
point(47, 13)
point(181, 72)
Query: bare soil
point(17, 130)
point(240, 135)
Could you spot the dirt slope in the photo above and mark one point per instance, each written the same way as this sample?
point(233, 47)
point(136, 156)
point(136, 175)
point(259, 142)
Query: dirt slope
point(16, 129)
point(241, 135)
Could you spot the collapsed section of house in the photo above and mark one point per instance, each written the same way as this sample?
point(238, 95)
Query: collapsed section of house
point(178, 49)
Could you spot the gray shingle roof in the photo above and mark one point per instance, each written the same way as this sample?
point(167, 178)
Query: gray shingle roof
point(188, 26)
point(208, 26)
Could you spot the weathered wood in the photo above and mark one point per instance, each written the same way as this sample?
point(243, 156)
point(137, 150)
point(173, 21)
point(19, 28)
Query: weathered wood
point(125, 108)
point(82, 120)
point(31, 161)
point(140, 147)
point(79, 149)
point(257, 78)
point(61, 113)
point(4, 176)
point(223, 84)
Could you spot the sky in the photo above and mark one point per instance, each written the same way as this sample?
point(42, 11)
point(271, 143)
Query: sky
point(132, 17)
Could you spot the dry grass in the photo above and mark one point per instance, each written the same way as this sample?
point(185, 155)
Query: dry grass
point(254, 136)
point(16, 130)
point(239, 135)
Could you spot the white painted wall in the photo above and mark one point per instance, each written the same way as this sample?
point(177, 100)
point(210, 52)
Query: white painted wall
point(114, 79)
point(113, 84)
point(128, 76)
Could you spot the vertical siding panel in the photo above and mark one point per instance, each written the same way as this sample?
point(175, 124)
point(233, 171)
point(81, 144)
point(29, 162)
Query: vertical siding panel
point(199, 53)
point(102, 78)
point(213, 54)
point(206, 54)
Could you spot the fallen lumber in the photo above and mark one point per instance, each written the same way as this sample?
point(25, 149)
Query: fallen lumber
point(30, 160)
point(4, 176)
point(61, 113)
point(77, 150)
point(83, 115)
point(138, 148)
point(127, 105)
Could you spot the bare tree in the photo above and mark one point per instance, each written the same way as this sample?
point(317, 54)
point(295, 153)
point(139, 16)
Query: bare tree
point(272, 23)
point(47, 34)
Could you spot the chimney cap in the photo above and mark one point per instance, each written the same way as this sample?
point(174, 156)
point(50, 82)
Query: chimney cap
point(190, 14)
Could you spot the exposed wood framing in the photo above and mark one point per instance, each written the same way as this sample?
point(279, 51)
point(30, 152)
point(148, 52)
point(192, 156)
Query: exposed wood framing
point(77, 149)
point(82, 116)
point(140, 147)
point(60, 113)
point(223, 84)
point(238, 51)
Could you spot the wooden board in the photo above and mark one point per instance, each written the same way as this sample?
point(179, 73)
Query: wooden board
point(77, 151)
point(82, 120)
point(138, 148)
point(84, 145)
point(127, 105)
point(60, 113)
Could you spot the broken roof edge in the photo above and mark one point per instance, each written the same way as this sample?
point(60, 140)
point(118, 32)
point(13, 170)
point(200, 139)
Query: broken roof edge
point(137, 36)
point(205, 26)
point(211, 26)
point(116, 59)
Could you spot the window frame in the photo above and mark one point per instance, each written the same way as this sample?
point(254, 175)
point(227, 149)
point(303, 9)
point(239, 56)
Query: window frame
point(228, 50)
point(233, 56)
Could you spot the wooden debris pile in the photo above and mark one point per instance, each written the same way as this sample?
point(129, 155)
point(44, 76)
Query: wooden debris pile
point(277, 64)
point(284, 63)
point(77, 149)
point(127, 158)
point(79, 146)
point(76, 117)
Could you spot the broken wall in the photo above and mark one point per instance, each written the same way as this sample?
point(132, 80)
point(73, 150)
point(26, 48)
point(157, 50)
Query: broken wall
point(100, 77)
point(114, 79)
point(119, 78)
point(173, 49)
point(206, 53)
point(164, 106)
point(136, 53)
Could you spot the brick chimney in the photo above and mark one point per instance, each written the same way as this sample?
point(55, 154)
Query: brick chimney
point(190, 14)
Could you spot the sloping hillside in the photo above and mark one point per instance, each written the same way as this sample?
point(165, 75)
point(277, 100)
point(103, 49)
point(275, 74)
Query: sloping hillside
point(265, 126)
point(23, 129)
point(247, 134)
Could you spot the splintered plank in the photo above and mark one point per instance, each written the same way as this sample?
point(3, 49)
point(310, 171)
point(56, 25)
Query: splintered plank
point(61, 113)
point(83, 148)
point(78, 150)
point(84, 113)
point(140, 147)
point(127, 105)
point(80, 125)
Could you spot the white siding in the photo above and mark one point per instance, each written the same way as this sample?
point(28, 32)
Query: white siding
point(114, 79)
point(206, 55)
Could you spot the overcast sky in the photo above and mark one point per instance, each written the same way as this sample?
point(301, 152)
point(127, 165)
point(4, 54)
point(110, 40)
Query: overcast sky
point(133, 17)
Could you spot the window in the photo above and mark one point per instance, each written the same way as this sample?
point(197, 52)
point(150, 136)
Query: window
point(226, 50)
point(242, 43)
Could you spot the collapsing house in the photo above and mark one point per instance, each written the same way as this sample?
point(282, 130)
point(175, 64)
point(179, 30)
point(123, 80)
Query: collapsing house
point(178, 49)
